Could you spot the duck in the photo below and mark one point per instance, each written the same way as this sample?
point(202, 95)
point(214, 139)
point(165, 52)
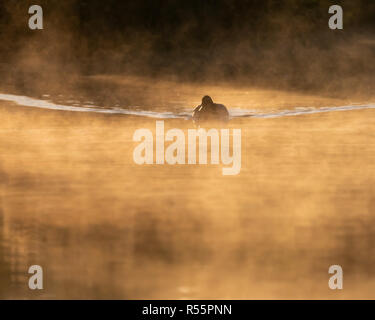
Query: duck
point(209, 111)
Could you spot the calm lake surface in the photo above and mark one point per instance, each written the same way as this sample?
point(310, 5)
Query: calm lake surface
point(74, 202)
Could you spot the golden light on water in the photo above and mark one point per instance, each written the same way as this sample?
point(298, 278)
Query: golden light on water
point(74, 202)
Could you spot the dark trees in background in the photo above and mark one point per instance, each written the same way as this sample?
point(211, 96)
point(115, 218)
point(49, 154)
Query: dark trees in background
point(226, 39)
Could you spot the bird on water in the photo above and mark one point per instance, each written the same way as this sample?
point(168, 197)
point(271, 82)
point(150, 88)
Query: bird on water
point(209, 111)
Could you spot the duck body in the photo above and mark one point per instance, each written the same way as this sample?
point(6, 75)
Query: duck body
point(209, 111)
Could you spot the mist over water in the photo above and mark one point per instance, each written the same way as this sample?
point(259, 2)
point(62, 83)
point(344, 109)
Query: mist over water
point(73, 201)
point(101, 226)
point(272, 44)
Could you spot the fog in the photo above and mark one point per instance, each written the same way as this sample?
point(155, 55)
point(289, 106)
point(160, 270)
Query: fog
point(246, 43)
point(74, 201)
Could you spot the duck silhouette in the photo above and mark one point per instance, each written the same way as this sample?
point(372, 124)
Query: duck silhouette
point(209, 111)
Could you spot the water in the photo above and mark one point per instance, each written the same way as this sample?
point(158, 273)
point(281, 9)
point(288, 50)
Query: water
point(79, 106)
point(74, 202)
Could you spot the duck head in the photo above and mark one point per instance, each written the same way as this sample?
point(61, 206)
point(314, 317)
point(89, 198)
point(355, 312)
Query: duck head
point(207, 101)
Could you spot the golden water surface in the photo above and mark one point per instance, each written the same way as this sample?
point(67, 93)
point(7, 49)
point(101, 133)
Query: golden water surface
point(74, 202)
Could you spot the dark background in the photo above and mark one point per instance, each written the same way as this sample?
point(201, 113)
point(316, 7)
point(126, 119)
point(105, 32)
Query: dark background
point(263, 42)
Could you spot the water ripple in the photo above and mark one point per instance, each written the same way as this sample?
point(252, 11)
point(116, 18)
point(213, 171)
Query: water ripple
point(186, 114)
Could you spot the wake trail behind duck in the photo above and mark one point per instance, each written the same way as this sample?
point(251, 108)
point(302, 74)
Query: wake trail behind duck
point(186, 114)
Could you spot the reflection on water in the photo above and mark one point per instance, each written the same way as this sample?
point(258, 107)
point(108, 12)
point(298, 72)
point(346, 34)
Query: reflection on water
point(73, 201)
